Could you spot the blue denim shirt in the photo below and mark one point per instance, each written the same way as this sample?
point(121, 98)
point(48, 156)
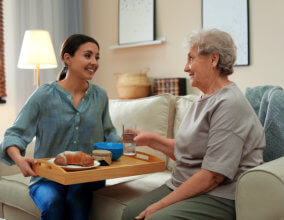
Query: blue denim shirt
point(50, 116)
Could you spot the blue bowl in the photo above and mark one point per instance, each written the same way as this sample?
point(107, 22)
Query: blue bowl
point(115, 148)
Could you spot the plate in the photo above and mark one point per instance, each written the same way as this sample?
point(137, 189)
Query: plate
point(76, 167)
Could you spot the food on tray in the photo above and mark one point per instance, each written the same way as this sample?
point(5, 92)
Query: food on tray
point(74, 158)
point(103, 156)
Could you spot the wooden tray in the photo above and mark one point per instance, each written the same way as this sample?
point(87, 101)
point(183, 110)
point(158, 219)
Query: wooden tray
point(141, 163)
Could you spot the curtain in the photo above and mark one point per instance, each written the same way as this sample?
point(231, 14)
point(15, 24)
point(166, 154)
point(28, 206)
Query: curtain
point(60, 17)
point(2, 65)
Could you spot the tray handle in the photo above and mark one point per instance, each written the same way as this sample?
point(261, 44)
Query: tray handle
point(45, 165)
point(147, 157)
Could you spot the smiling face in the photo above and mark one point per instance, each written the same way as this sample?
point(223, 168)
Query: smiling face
point(200, 69)
point(84, 63)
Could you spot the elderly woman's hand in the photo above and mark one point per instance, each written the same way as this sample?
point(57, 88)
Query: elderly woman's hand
point(150, 210)
point(155, 141)
point(143, 138)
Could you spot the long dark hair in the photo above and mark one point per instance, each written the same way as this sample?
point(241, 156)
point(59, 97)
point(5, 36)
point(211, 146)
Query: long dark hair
point(70, 46)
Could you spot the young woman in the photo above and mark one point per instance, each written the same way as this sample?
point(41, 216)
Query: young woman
point(68, 114)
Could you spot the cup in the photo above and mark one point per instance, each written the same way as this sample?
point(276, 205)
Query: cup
point(129, 146)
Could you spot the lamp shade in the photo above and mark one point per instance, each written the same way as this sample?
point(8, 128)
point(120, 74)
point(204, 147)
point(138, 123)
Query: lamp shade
point(37, 51)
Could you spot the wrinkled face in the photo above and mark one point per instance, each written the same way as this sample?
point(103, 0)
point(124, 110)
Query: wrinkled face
point(199, 68)
point(85, 61)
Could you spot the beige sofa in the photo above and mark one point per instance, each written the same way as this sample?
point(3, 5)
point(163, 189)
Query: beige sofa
point(260, 193)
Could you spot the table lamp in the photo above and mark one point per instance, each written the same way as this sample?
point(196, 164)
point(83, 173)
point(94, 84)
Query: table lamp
point(37, 52)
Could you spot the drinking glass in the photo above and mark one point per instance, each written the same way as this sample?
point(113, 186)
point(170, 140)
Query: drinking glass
point(129, 146)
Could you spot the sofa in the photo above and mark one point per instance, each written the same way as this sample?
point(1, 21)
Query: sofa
point(260, 191)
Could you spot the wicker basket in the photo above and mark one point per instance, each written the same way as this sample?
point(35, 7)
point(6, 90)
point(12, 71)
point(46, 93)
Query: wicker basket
point(132, 86)
point(133, 92)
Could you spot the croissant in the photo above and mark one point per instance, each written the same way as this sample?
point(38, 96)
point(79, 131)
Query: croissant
point(74, 158)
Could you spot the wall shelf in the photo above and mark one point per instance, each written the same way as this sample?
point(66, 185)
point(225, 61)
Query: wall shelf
point(157, 41)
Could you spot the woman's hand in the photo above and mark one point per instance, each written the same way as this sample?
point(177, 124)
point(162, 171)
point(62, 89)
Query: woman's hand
point(199, 183)
point(143, 138)
point(150, 210)
point(154, 141)
point(24, 163)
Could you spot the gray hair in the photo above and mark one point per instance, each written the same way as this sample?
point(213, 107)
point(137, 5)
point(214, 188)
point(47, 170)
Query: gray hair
point(215, 41)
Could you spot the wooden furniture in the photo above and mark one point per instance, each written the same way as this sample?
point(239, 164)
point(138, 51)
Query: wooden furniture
point(141, 163)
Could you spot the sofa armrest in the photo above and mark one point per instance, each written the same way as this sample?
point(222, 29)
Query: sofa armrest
point(260, 192)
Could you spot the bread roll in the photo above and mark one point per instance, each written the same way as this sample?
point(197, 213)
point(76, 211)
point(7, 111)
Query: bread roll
point(74, 158)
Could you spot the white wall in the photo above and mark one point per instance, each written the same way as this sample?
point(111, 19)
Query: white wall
point(176, 19)
point(266, 45)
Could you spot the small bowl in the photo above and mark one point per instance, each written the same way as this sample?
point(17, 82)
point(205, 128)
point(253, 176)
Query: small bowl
point(115, 148)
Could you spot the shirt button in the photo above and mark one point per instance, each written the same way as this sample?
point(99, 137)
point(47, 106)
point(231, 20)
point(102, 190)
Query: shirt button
point(74, 142)
point(76, 128)
point(77, 113)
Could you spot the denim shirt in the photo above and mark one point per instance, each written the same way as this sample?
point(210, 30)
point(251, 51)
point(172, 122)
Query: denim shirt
point(50, 116)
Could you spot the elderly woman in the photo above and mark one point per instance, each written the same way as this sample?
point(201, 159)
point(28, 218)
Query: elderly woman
point(219, 138)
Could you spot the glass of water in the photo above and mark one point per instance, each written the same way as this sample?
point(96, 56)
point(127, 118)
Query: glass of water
point(129, 146)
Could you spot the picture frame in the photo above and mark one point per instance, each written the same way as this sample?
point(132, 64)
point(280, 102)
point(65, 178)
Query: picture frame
point(231, 16)
point(136, 21)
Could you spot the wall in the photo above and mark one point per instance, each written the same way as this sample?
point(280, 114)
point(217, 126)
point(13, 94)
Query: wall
point(175, 20)
point(20, 16)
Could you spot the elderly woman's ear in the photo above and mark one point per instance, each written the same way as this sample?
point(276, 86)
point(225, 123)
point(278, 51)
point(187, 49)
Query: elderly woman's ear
point(214, 59)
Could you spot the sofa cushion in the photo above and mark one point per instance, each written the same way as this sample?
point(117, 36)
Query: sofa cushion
point(1, 210)
point(127, 191)
point(8, 170)
point(135, 111)
point(183, 103)
point(113, 198)
point(14, 192)
point(14, 213)
point(154, 113)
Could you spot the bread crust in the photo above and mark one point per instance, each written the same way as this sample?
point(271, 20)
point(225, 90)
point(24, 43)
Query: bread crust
point(74, 158)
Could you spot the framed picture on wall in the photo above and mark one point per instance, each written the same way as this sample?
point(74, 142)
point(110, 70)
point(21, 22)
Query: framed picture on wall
point(136, 21)
point(231, 16)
